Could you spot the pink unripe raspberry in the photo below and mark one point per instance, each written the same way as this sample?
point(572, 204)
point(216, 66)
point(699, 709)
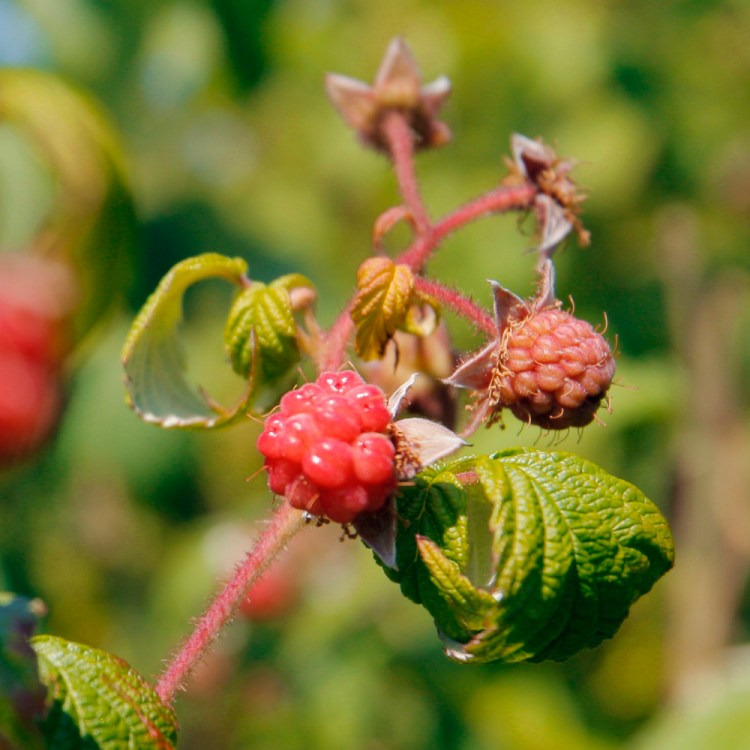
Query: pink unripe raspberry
point(553, 370)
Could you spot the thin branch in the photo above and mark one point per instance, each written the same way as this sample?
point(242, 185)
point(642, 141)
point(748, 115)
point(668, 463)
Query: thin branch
point(459, 303)
point(334, 342)
point(285, 524)
point(401, 145)
point(496, 201)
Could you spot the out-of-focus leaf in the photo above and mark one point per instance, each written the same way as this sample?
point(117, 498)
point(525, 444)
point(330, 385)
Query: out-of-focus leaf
point(713, 715)
point(526, 555)
point(261, 324)
point(154, 358)
point(92, 225)
point(21, 693)
point(99, 701)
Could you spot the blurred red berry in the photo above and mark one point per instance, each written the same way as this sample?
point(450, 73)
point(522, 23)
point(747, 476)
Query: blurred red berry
point(30, 398)
point(272, 595)
point(36, 297)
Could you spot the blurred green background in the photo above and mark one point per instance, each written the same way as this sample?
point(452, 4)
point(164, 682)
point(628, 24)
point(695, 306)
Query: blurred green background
point(231, 146)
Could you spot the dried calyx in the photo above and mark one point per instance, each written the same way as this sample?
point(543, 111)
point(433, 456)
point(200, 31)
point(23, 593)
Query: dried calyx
point(398, 87)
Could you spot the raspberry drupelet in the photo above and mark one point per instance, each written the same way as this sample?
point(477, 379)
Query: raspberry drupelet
point(326, 449)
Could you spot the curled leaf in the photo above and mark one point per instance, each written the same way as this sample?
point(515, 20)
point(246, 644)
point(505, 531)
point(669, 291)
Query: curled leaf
point(261, 324)
point(98, 700)
point(154, 358)
point(526, 555)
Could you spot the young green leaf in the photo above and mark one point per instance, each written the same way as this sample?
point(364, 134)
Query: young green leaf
point(98, 701)
point(261, 325)
point(526, 555)
point(154, 358)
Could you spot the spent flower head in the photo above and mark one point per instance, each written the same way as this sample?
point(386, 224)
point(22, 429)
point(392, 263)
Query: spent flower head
point(398, 87)
point(558, 202)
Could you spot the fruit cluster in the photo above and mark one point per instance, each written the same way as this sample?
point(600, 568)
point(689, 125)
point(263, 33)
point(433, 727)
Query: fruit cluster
point(326, 449)
point(553, 370)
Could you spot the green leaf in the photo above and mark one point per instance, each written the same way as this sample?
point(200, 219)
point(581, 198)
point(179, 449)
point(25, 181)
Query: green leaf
point(261, 325)
point(526, 555)
point(97, 701)
point(92, 225)
point(21, 693)
point(154, 358)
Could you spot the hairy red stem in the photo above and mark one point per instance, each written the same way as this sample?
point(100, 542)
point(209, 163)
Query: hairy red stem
point(401, 145)
point(459, 303)
point(333, 345)
point(400, 140)
point(496, 201)
point(283, 526)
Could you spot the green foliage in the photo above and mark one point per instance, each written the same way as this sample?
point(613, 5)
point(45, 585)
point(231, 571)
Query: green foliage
point(98, 702)
point(261, 326)
point(21, 693)
point(153, 355)
point(527, 555)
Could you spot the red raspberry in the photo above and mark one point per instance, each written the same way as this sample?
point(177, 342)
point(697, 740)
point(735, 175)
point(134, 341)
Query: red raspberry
point(553, 370)
point(370, 403)
point(344, 504)
point(326, 450)
point(328, 463)
point(296, 435)
point(340, 381)
point(270, 441)
point(372, 458)
point(300, 399)
point(304, 495)
point(336, 418)
point(281, 474)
